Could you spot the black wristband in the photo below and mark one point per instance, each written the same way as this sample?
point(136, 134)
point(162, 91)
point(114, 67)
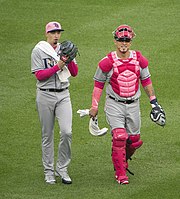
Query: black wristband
point(154, 101)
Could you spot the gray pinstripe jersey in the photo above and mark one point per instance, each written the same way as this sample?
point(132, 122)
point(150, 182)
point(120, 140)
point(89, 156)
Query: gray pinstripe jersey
point(40, 61)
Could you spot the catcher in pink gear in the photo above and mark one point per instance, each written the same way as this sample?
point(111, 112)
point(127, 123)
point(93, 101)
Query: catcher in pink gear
point(123, 70)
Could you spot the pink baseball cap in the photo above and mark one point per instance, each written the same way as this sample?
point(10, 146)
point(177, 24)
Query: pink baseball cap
point(52, 26)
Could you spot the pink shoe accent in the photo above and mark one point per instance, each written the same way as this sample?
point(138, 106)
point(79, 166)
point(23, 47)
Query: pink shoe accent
point(122, 181)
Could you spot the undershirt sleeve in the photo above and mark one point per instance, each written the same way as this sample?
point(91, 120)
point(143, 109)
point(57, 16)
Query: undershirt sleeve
point(73, 68)
point(46, 73)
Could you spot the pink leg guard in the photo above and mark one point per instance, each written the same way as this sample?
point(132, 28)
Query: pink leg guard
point(133, 143)
point(119, 154)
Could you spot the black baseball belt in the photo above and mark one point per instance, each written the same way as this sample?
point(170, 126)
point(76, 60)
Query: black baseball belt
point(53, 89)
point(122, 101)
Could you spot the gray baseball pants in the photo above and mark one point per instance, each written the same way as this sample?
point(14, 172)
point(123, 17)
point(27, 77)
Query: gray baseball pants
point(120, 115)
point(51, 106)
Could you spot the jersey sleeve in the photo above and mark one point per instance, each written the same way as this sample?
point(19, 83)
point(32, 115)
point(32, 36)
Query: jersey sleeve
point(145, 73)
point(104, 67)
point(36, 61)
point(100, 76)
point(143, 62)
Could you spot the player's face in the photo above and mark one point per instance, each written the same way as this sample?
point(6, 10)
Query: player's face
point(123, 46)
point(53, 37)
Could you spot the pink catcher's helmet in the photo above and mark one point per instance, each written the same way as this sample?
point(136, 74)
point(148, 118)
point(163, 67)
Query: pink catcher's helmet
point(124, 31)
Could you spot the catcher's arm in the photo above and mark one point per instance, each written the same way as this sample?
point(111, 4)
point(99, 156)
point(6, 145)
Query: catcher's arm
point(96, 95)
point(157, 113)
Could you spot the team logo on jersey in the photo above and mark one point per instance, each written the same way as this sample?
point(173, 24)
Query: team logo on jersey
point(50, 62)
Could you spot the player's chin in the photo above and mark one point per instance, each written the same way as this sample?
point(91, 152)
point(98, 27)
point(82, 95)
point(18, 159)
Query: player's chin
point(55, 41)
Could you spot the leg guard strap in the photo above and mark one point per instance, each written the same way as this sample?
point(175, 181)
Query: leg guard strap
point(133, 143)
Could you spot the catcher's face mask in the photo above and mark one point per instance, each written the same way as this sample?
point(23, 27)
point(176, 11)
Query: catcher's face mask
point(124, 33)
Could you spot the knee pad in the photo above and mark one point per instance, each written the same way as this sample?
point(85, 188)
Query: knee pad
point(133, 143)
point(119, 137)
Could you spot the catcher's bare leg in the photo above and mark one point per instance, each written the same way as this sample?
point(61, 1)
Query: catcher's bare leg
point(119, 154)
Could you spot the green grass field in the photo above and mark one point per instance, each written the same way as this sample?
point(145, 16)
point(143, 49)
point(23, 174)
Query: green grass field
point(88, 24)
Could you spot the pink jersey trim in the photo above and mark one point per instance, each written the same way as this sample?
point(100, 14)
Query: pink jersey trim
point(46, 73)
point(146, 82)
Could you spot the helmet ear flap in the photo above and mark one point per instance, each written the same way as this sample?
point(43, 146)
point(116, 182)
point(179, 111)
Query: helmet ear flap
point(114, 35)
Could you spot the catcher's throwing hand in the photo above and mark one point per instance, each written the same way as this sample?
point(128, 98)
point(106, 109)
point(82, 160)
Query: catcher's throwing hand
point(68, 51)
point(157, 114)
point(93, 113)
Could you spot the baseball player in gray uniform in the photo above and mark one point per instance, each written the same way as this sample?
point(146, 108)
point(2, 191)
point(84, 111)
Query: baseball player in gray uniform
point(53, 101)
point(123, 70)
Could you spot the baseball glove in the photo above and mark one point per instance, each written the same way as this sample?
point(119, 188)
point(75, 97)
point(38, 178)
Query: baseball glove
point(158, 116)
point(68, 51)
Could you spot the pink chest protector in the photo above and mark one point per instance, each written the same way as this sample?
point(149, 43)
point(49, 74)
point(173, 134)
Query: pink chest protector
point(126, 74)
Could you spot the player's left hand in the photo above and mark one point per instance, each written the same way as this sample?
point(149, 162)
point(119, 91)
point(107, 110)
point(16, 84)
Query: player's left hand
point(68, 51)
point(158, 115)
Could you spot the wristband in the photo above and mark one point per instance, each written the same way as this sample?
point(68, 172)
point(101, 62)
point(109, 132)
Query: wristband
point(154, 103)
point(152, 97)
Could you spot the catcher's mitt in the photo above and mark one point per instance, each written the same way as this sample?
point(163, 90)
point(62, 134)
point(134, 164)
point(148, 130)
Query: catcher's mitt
point(67, 51)
point(158, 116)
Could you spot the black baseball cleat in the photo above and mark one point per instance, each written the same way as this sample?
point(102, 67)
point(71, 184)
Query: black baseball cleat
point(66, 181)
point(64, 177)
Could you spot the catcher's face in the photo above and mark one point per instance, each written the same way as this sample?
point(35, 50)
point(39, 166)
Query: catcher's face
point(53, 37)
point(123, 46)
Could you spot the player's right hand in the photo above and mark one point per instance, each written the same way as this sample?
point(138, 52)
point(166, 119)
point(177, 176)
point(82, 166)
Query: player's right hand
point(61, 64)
point(93, 112)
